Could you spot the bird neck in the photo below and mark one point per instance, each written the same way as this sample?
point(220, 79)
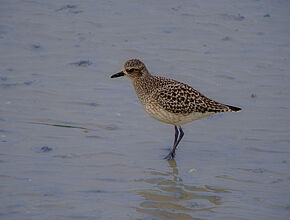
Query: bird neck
point(143, 86)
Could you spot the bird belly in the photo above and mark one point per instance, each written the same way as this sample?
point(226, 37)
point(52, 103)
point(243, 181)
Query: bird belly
point(167, 117)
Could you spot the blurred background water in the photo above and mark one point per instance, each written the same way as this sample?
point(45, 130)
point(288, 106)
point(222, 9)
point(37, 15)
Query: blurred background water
point(76, 144)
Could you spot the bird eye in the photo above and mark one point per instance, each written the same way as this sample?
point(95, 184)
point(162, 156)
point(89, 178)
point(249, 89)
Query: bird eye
point(130, 70)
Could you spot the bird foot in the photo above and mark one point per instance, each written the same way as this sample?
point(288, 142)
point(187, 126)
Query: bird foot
point(170, 156)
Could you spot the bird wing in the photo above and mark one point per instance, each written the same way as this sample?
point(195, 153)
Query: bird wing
point(180, 98)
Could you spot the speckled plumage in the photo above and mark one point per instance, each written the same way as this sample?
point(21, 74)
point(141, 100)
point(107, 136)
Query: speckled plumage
point(168, 100)
point(178, 100)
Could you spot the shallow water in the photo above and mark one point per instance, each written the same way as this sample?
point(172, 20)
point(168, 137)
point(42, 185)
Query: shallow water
point(76, 144)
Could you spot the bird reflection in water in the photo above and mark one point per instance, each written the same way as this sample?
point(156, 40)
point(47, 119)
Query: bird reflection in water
point(170, 198)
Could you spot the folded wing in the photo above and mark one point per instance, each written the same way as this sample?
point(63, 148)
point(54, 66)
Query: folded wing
point(181, 98)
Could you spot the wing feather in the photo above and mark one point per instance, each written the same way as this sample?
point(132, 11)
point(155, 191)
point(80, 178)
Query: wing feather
point(180, 98)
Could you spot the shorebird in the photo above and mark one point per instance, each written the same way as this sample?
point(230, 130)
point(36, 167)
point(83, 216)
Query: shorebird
point(170, 101)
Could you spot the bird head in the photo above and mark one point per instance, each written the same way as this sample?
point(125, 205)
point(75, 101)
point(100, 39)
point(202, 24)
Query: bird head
point(133, 69)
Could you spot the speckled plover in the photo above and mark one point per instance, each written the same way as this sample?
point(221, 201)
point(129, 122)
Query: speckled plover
point(170, 101)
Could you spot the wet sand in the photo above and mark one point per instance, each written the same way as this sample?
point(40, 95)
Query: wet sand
point(76, 144)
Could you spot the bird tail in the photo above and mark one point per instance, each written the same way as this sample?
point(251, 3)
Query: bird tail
point(234, 109)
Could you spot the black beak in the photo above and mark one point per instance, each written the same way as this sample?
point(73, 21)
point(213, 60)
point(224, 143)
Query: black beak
point(118, 74)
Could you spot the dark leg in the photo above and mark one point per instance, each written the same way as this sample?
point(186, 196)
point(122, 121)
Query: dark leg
point(168, 157)
point(176, 142)
point(181, 134)
point(176, 135)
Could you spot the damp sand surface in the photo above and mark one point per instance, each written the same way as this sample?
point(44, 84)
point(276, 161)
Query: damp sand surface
point(75, 144)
